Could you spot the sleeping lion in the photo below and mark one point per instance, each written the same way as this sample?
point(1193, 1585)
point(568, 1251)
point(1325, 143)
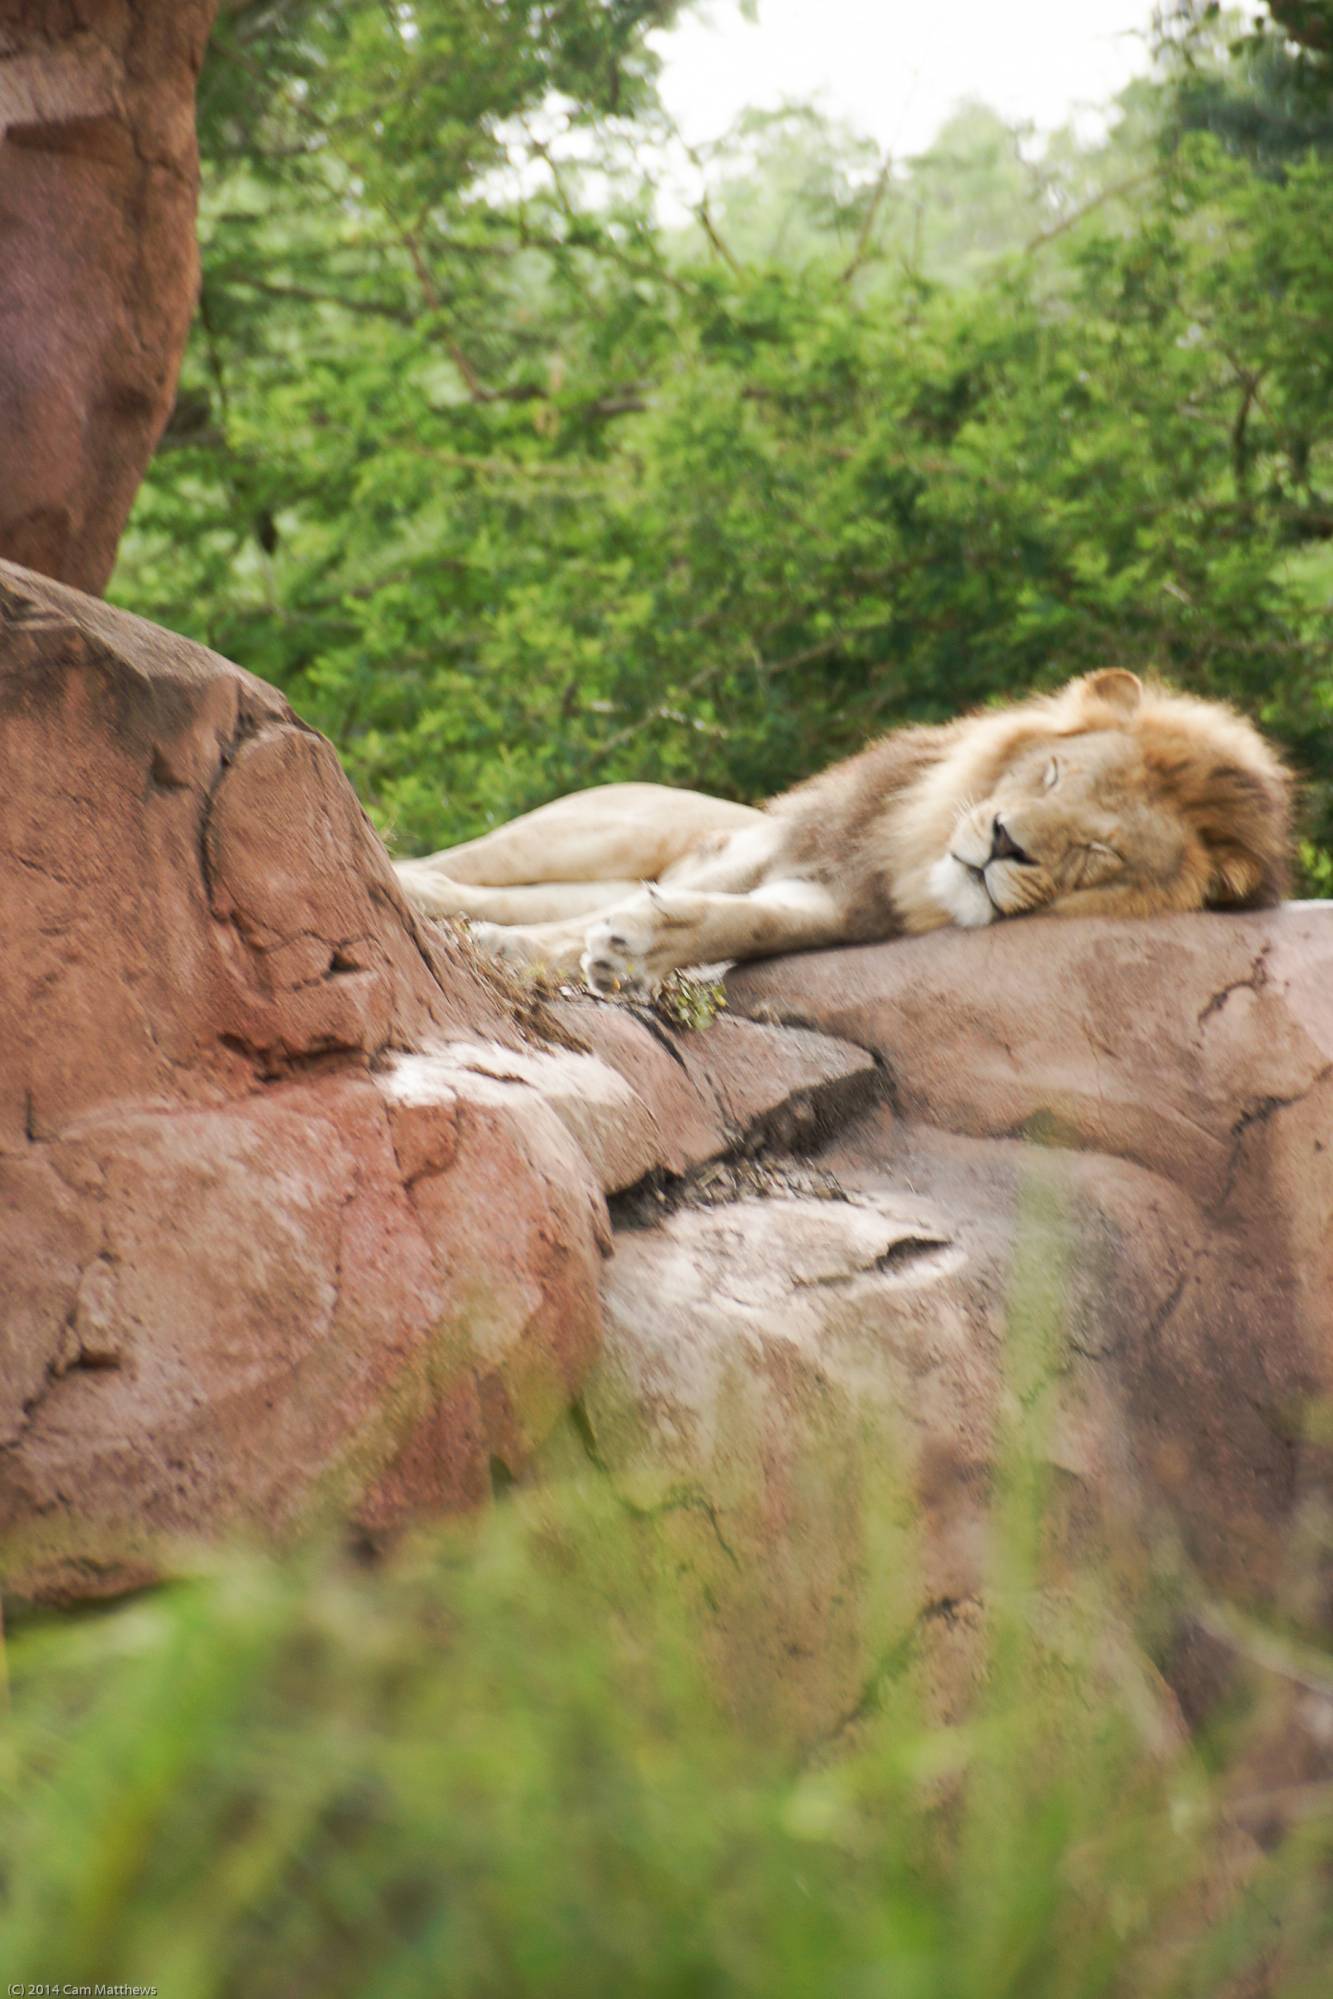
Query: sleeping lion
point(1108, 798)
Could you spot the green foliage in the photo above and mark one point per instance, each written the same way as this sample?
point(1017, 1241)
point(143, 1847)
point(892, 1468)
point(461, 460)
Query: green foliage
point(494, 1770)
point(515, 489)
point(690, 1002)
point(1265, 87)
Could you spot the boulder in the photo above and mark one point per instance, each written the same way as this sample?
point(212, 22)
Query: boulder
point(1094, 1187)
point(268, 1250)
point(1187, 1065)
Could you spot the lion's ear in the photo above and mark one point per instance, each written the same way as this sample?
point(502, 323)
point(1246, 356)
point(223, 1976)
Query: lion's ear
point(1115, 687)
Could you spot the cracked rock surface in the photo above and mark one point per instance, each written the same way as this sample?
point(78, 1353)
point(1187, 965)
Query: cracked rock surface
point(1182, 1069)
point(1096, 1181)
point(273, 1243)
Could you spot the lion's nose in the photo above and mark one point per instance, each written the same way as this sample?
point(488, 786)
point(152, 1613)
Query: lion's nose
point(1002, 847)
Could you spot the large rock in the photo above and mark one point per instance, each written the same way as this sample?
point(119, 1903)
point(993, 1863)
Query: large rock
point(1188, 1062)
point(1096, 1186)
point(810, 1392)
point(261, 1256)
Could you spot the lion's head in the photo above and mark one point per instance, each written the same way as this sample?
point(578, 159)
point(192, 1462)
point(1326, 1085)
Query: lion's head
point(1112, 798)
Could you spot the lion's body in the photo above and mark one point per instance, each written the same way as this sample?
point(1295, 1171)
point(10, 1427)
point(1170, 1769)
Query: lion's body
point(1107, 798)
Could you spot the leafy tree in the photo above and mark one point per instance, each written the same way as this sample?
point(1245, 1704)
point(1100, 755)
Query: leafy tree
point(1265, 90)
point(515, 489)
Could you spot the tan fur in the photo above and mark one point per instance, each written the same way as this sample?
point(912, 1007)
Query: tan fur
point(1109, 797)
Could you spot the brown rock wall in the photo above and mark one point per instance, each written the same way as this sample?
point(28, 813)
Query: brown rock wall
point(98, 190)
point(254, 1249)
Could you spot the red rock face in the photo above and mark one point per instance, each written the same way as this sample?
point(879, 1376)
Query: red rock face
point(260, 1255)
point(1120, 1134)
point(1187, 1064)
point(98, 189)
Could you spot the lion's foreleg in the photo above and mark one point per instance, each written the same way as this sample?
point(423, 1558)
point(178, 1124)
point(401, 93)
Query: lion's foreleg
point(661, 930)
point(436, 894)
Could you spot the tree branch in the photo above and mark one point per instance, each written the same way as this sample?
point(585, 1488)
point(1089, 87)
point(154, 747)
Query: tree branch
point(709, 227)
point(868, 221)
point(307, 295)
point(1071, 221)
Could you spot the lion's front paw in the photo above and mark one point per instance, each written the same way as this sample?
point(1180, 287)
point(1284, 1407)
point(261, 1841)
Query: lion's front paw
point(496, 940)
point(632, 950)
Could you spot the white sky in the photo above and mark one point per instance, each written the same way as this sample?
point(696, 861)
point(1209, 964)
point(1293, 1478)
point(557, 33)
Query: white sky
point(895, 68)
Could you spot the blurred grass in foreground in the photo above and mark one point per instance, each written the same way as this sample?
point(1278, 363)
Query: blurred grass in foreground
point(490, 1767)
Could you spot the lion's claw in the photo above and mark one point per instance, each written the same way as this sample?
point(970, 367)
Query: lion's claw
point(621, 956)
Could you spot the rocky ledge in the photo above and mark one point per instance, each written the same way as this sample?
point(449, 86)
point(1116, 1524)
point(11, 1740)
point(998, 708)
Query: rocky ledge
point(308, 1217)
